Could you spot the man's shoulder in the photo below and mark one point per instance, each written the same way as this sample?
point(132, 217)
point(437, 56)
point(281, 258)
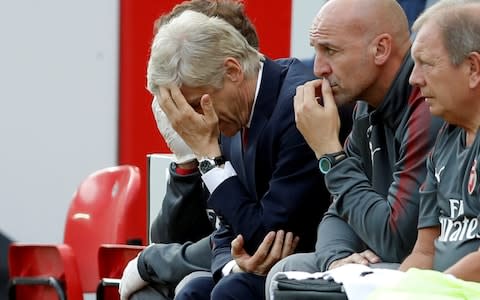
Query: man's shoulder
point(448, 136)
point(294, 73)
point(295, 66)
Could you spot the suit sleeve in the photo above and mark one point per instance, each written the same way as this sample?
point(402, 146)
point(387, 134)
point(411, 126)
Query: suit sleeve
point(335, 231)
point(183, 216)
point(167, 264)
point(386, 223)
point(294, 183)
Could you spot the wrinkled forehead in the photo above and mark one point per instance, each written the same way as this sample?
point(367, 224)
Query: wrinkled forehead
point(331, 22)
point(427, 37)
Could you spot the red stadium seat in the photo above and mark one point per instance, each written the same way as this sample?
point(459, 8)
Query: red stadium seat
point(43, 272)
point(112, 259)
point(104, 210)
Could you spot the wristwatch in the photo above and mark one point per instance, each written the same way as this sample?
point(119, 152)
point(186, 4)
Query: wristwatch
point(327, 161)
point(205, 164)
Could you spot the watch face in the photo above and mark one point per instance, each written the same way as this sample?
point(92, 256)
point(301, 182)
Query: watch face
point(324, 165)
point(205, 165)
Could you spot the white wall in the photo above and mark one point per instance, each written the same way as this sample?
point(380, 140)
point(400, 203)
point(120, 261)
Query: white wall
point(58, 104)
point(58, 108)
point(303, 13)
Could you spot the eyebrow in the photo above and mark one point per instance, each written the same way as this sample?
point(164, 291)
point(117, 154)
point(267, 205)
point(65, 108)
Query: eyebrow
point(323, 44)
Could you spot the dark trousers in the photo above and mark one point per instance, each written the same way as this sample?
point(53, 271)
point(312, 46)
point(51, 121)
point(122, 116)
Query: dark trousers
point(238, 286)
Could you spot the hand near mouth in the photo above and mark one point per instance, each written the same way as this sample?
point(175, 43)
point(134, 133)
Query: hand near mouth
point(318, 122)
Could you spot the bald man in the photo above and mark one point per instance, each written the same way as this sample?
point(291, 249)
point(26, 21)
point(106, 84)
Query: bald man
point(362, 54)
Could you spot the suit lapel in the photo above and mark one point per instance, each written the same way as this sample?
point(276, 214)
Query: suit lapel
point(264, 106)
point(238, 161)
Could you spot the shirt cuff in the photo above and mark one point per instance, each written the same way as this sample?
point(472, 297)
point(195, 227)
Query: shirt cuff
point(217, 175)
point(227, 269)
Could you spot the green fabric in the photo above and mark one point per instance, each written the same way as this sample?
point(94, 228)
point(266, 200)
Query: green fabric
point(428, 285)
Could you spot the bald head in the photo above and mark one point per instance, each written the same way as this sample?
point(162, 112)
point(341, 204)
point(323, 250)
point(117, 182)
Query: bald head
point(359, 47)
point(367, 18)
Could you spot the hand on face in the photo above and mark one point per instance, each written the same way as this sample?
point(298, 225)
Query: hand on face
point(319, 125)
point(199, 131)
point(266, 255)
point(366, 257)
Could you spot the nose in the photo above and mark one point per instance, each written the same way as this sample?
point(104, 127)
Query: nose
point(321, 68)
point(416, 77)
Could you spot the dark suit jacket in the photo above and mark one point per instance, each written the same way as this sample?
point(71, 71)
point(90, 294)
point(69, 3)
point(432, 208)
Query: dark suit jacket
point(278, 185)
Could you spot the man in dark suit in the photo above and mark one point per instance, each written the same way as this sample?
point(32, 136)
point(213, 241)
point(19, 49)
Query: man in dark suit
point(208, 81)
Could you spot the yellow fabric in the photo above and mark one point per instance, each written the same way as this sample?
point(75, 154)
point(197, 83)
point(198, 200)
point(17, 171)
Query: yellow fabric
point(428, 285)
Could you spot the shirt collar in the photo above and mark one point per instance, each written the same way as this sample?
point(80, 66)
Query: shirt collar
point(259, 81)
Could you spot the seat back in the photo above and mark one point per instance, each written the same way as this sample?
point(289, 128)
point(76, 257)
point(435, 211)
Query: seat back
point(106, 208)
point(112, 260)
point(33, 262)
point(158, 165)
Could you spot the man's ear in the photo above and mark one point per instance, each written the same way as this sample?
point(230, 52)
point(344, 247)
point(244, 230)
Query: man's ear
point(381, 48)
point(473, 60)
point(233, 70)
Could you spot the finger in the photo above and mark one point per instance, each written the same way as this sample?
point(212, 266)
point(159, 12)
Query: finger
point(310, 96)
point(276, 250)
point(178, 98)
point(289, 244)
point(356, 258)
point(328, 100)
point(296, 240)
point(370, 256)
point(264, 249)
point(166, 102)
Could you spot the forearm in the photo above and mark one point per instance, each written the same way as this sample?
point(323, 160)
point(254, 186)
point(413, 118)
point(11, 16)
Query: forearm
point(182, 216)
point(417, 260)
point(335, 240)
point(393, 218)
point(468, 268)
point(170, 263)
point(424, 250)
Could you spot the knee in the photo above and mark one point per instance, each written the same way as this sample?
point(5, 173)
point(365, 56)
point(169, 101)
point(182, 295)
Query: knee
point(197, 288)
point(225, 288)
point(239, 286)
point(305, 262)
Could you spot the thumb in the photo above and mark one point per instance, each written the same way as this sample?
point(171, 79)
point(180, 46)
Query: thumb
point(237, 246)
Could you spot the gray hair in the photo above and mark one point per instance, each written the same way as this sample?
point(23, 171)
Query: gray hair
point(191, 49)
point(459, 24)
